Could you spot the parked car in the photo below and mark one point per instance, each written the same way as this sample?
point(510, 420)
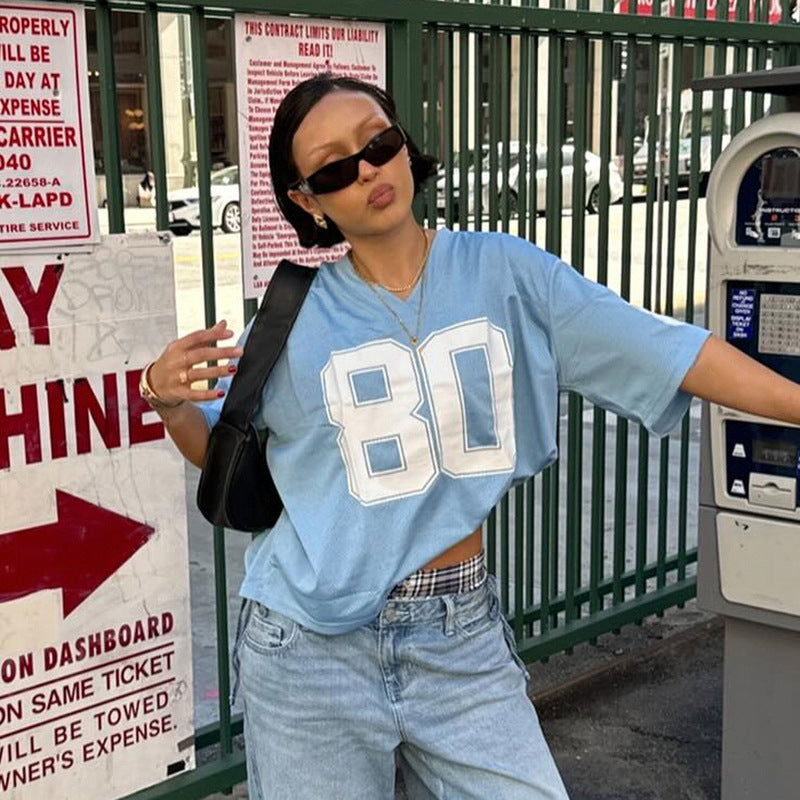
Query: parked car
point(592, 172)
point(184, 204)
point(640, 175)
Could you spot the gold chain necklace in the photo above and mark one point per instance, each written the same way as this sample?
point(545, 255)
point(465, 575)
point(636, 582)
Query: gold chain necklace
point(414, 337)
point(364, 272)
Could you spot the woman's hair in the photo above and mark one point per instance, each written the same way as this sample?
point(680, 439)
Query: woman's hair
point(291, 112)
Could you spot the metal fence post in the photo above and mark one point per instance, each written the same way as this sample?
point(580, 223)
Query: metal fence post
point(405, 82)
point(158, 159)
point(110, 115)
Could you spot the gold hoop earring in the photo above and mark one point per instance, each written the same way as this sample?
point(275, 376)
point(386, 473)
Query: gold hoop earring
point(320, 220)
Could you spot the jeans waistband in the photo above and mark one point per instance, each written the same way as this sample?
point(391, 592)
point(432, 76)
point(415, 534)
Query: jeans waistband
point(445, 607)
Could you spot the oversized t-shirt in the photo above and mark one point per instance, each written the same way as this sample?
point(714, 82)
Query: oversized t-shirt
point(386, 454)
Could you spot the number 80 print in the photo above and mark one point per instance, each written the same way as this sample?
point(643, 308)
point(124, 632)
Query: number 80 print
point(374, 394)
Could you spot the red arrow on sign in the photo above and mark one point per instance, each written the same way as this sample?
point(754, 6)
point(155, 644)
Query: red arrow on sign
point(84, 547)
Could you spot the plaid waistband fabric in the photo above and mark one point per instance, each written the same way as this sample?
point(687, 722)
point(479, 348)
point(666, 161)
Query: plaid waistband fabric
point(462, 577)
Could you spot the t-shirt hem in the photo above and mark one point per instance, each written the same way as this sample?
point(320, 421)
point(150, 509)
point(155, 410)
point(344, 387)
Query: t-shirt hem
point(305, 621)
point(658, 420)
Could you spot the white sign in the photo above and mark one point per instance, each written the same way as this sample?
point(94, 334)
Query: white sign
point(47, 184)
point(273, 54)
point(95, 649)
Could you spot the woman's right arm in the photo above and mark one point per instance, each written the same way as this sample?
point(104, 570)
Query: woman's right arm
point(184, 422)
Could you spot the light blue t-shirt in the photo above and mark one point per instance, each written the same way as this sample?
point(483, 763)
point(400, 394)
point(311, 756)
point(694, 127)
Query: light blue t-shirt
point(386, 454)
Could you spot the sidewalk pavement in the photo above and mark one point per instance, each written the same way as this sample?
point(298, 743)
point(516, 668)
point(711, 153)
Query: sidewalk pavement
point(637, 717)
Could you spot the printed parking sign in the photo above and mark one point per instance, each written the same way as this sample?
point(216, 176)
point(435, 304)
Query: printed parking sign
point(95, 651)
point(47, 181)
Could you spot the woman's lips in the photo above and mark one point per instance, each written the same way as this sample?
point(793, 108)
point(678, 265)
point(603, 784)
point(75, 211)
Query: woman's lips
point(381, 195)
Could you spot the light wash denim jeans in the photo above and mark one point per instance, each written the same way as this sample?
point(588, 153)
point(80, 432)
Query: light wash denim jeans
point(438, 680)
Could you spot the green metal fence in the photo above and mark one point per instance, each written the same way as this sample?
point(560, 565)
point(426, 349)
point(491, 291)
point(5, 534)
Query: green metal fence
point(604, 537)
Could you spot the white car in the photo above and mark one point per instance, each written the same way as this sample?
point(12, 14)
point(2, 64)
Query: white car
point(640, 175)
point(592, 172)
point(184, 205)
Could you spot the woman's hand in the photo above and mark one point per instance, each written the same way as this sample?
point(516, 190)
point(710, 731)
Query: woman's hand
point(173, 373)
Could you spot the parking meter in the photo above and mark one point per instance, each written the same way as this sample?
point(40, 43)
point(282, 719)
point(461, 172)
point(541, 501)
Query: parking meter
point(749, 520)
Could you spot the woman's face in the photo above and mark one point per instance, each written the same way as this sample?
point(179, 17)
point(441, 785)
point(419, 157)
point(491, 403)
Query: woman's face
point(340, 124)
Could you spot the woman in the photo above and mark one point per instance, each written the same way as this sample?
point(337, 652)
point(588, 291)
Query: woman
point(419, 382)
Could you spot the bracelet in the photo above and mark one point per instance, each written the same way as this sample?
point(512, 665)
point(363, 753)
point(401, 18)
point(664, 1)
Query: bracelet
point(149, 396)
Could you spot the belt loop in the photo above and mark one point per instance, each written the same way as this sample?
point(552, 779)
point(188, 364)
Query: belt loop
point(450, 615)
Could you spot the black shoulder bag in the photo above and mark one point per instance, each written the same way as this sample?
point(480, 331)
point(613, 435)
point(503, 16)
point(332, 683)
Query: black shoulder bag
point(236, 489)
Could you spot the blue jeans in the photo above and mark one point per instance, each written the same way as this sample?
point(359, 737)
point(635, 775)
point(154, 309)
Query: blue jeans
point(435, 683)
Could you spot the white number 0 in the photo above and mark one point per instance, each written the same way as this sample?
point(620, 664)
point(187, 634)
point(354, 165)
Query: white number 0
point(373, 393)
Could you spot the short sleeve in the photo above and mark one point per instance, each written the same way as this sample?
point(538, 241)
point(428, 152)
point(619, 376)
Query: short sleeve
point(628, 360)
point(213, 408)
point(623, 358)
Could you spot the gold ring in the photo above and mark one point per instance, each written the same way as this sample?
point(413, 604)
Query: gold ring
point(183, 377)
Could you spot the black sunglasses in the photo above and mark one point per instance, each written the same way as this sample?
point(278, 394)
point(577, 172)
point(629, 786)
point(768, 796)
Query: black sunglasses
point(334, 176)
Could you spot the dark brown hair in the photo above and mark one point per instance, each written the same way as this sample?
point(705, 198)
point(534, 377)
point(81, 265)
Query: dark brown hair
point(291, 112)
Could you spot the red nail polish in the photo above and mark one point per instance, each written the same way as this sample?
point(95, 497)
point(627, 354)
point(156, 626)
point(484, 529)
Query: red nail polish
point(220, 393)
point(232, 368)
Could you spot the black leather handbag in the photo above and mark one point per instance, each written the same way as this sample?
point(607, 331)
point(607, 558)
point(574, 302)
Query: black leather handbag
point(236, 489)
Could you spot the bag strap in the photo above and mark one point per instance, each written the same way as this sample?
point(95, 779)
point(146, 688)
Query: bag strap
point(282, 301)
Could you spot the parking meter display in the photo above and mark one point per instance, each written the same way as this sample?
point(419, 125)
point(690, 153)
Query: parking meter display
point(768, 209)
point(776, 452)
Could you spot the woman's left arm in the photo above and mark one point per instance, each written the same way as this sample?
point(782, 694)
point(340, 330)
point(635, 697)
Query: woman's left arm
point(725, 375)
